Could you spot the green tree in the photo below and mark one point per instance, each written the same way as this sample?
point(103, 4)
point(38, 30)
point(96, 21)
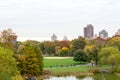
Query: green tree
point(78, 44)
point(114, 42)
point(80, 56)
point(111, 56)
point(42, 47)
point(8, 64)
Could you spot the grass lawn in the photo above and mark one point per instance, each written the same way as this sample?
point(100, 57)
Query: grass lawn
point(70, 69)
point(54, 64)
point(58, 61)
point(74, 69)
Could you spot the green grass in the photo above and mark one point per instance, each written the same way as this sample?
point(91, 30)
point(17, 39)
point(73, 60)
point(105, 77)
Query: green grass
point(54, 65)
point(74, 69)
point(70, 69)
point(58, 62)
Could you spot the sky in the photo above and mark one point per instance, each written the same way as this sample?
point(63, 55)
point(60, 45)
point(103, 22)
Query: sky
point(39, 19)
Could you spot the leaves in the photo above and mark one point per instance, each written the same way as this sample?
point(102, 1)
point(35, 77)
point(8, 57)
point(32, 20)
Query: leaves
point(8, 64)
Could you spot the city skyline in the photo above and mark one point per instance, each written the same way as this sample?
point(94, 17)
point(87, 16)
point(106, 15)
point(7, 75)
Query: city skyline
point(39, 19)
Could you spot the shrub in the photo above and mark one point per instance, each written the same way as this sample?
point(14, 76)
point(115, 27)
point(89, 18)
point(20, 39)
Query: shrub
point(47, 72)
point(94, 70)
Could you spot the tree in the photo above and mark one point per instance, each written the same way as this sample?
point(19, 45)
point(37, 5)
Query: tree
point(111, 56)
point(39, 57)
point(64, 51)
point(80, 56)
point(8, 64)
point(29, 63)
point(8, 36)
point(42, 47)
point(92, 53)
point(49, 47)
point(78, 44)
point(65, 44)
point(114, 42)
point(57, 50)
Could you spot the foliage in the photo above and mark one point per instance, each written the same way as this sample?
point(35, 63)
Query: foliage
point(8, 64)
point(80, 56)
point(92, 53)
point(94, 70)
point(42, 47)
point(114, 42)
point(29, 63)
point(49, 48)
point(64, 52)
point(17, 77)
point(20, 49)
point(65, 44)
point(57, 50)
point(78, 44)
point(8, 36)
point(39, 58)
point(110, 56)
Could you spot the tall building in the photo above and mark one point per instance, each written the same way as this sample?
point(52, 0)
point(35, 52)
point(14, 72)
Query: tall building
point(103, 34)
point(53, 38)
point(89, 31)
point(118, 32)
point(65, 38)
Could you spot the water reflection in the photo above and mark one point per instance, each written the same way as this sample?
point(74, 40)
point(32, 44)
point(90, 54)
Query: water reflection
point(63, 78)
point(94, 77)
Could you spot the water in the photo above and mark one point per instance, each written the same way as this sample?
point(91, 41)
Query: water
point(94, 77)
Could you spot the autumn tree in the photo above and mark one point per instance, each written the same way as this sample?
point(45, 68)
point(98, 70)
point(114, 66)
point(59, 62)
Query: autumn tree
point(64, 51)
point(65, 44)
point(92, 53)
point(49, 48)
point(39, 58)
point(57, 50)
point(29, 64)
point(30, 58)
point(9, 38)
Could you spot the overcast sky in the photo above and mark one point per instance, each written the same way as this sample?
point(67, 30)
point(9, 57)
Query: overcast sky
point(39, 19)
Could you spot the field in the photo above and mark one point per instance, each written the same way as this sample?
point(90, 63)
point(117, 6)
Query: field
point(58, 61)
point(66, 65)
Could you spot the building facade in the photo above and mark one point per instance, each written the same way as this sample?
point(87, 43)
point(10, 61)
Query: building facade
point(103, 34)
point(53, 38)
point(89, 31)
point(65, 38)
point(118, 33)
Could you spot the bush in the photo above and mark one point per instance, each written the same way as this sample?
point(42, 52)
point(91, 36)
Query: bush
point(94, 70)
point(47, 72)
point(118, 70)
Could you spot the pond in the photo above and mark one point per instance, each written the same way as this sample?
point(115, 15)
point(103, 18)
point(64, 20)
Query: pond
point(94, 77)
